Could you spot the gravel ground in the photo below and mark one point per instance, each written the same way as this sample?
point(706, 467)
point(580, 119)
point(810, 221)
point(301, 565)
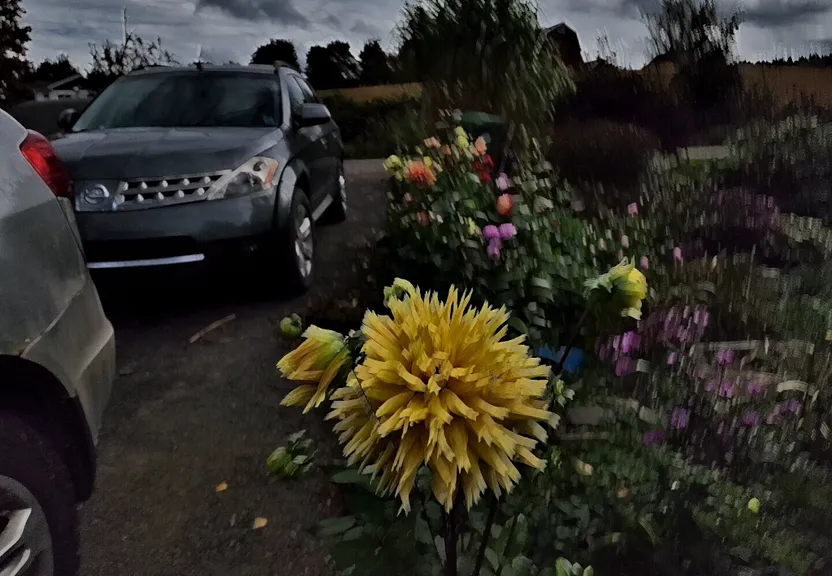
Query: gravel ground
point(185, 417)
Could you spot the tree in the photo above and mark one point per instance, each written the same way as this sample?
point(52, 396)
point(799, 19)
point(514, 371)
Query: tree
point(375, 65)
point(13, 64)
point(276, 49)
point(54, 70)
point(111, 60)
point(695, 36)
point(332, 66)
point(485, 55)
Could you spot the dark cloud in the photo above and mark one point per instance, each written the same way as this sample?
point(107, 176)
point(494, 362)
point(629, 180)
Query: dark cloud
point(778, 14)
point(282, 11)
point(620, 8)
point(366, 30)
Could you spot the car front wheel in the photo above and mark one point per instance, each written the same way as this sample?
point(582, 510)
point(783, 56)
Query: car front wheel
point(298, 244)
point(38, 518)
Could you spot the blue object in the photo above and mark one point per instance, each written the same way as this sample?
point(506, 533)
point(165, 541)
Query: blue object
point(574, 360)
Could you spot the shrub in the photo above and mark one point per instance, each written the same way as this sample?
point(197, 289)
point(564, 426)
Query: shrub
point(602, 151)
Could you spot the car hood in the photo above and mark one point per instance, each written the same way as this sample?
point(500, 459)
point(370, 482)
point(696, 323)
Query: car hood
point(126, 153)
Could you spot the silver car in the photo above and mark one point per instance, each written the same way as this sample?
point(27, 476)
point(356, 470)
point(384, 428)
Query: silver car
point(179, 165)
point(57, 360)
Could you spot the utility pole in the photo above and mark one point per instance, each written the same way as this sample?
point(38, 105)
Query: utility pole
point(124, 24)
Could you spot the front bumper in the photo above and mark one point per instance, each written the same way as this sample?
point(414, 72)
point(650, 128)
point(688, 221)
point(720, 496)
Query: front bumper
point(173, 234)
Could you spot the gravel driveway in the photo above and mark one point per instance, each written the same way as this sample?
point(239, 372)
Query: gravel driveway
point(185, 417)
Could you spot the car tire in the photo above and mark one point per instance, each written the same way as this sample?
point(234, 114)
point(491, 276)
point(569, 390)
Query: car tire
point(36, 490)
point(296, 244)
point(337, 211)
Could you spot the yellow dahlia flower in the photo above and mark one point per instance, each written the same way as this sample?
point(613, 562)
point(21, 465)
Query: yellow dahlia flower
point(438, 386)
point(627, 284)
point(317, 361)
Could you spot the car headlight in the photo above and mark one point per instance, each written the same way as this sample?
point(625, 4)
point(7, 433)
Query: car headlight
point(255, 175)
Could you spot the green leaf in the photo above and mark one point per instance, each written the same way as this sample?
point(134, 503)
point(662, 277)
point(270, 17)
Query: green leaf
point(334, 526)
point(517, 324)
point(349, 476)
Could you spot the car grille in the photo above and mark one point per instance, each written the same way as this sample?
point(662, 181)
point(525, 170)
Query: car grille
point(146, 193)
point(143, 193)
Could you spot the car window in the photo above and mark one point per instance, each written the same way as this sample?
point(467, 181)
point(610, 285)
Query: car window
point(308, 94)
point(185, 100)
point(296, 96)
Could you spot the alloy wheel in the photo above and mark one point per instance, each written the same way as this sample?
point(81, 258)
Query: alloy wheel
point(304, 243)
point(25, 542)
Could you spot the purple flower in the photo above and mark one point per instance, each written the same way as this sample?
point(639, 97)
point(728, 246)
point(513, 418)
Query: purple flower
point(679, 418)
point(632, 209)
point(491, 232)
point(653, 438)
point(507, 231)
point(623, 366)
point(712, 386)
point(725, 357)
point(493, 249)
point(750, 418)
point(629, 341)
point(671, 358)
point(754, 388)
point(726, 389)
point(794, 405)
point(502, 182)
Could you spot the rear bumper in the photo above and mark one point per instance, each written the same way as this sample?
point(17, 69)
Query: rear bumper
point(174, 234)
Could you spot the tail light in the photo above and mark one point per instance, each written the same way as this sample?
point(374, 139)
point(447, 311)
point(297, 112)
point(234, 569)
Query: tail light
point(41, 156)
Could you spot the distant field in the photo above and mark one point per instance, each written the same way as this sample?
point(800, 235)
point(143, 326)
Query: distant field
point(370, 93)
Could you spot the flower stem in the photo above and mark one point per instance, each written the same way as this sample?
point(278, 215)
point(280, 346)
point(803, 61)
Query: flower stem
point(486, 535)
point(450, 543)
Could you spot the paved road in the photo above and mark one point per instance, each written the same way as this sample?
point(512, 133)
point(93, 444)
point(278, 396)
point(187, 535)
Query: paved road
point(185, 417)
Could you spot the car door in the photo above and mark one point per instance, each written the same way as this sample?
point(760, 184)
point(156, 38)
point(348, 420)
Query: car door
point(311, 148)
point(331, 138)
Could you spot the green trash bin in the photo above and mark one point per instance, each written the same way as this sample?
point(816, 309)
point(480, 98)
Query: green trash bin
point(493, 128)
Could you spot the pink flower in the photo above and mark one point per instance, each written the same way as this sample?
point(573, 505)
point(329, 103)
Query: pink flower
point(408, 199)
point(750, 418)
point(502, 182)
point(726, 389)
point(725, 357)
point(507, 231)
point(601, 244)
point(644, 263)
point(671, 359)
point(677, 254)
point(493, 249)
point(632, 209)
point(490, 232)
point(625, 241)
point(679, 418)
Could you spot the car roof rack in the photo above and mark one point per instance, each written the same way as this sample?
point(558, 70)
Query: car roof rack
point(280, 63)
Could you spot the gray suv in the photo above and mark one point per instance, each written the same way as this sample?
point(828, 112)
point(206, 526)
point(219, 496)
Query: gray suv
point(177, 165)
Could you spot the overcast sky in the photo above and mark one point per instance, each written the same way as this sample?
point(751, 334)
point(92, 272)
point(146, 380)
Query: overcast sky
point(231, 29)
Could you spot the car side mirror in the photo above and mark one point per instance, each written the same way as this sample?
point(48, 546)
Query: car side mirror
point(67, 118)
point(313, 115)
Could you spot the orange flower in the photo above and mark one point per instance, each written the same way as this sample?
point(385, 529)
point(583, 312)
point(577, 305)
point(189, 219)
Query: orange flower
point(417, 173)
point(479, 146)
point(423, 218)
point(446, 150)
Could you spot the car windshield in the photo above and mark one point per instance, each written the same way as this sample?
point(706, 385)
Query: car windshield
point(189, 99)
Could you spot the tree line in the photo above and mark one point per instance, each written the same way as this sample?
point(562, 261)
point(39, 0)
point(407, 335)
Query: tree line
point(326, 67)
